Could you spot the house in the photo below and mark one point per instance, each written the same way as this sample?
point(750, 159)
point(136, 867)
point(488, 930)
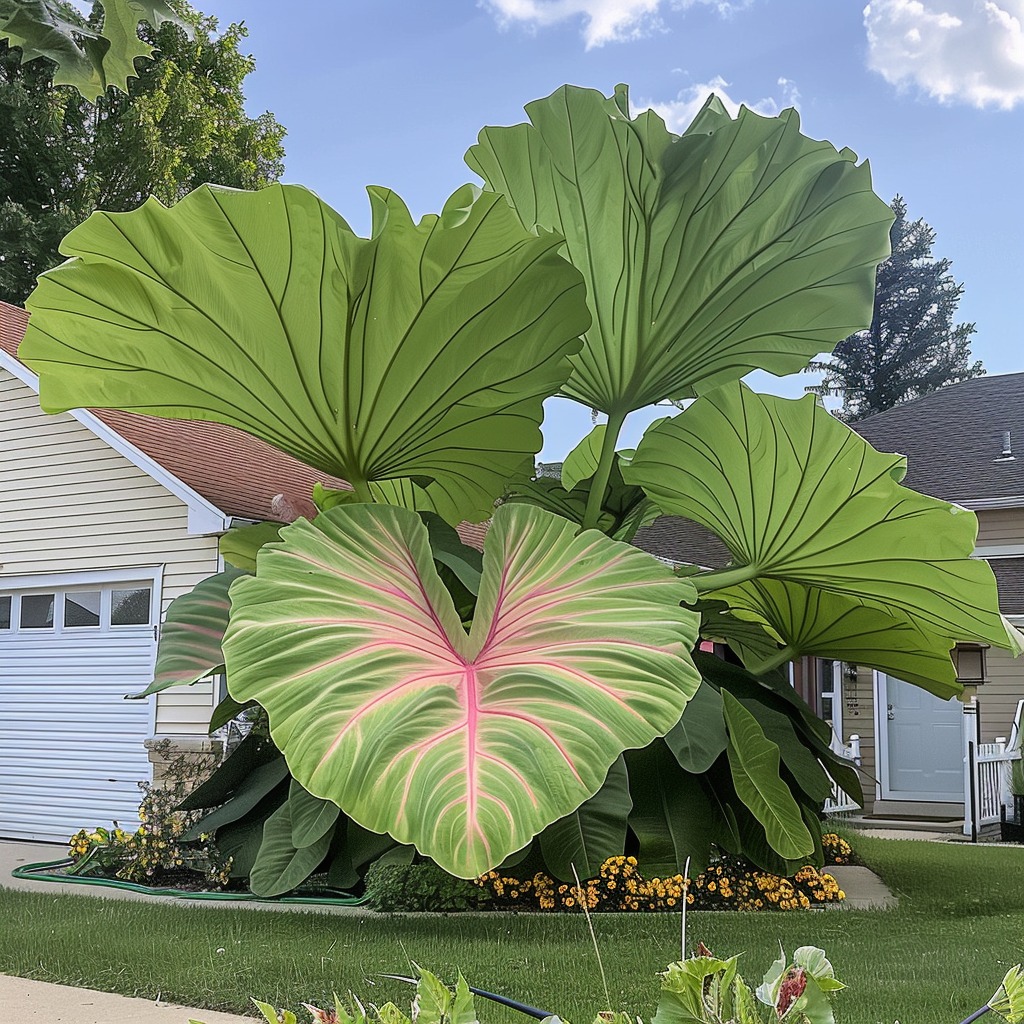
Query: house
point(964, 444)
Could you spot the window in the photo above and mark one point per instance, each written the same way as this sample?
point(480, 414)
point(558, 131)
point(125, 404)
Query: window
point(130, 607)
point(37, 611)
point(82, 608)
point(5, 612)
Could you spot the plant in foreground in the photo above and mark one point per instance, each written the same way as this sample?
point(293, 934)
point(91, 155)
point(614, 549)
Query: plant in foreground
point(549, 697)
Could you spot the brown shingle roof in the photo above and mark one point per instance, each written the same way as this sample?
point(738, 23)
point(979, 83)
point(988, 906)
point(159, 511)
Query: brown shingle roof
point(237, 473)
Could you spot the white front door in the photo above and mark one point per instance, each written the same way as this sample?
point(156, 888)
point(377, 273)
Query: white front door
point(921, 745)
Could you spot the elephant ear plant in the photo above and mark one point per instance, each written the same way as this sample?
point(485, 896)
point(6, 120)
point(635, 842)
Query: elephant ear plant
point(421, 698)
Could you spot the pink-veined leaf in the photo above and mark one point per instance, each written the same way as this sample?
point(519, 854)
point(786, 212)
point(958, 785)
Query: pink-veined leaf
point(191, 634)
point(465, 745)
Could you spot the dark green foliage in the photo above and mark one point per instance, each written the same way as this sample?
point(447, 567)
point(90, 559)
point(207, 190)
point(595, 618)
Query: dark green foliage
point(421, 887)
point(912, 346)
point(181, 124)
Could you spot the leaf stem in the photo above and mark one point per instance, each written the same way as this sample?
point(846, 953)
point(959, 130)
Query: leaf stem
point(362, 489)
point(721, 578)
point(599, 483)
point(784, 654)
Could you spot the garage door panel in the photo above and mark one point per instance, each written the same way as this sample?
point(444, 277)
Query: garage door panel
point(71, 747)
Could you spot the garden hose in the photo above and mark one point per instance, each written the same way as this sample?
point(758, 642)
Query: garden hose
point(42, 872)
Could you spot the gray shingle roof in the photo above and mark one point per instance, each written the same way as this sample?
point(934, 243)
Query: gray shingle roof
point(953, 439)
point(1010, 578)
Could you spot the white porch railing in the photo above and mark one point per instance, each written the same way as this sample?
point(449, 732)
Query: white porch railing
point(987, 777)
point(840, 802)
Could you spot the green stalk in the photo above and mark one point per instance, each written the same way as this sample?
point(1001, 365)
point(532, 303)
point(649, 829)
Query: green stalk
point(777, 660)
point(599, 483)
point(362, 489)
point(721, 578)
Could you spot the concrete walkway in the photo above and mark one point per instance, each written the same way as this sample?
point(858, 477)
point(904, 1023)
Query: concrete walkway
point(25, 1001)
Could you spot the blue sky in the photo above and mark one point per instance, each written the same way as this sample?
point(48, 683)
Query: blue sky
point(393, 92)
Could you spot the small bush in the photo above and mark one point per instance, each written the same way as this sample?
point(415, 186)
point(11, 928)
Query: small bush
point(421, 887)
point(836, 849)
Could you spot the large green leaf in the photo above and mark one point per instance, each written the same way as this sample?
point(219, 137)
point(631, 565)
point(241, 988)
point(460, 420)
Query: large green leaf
point(88, 59)
point(420, 354)
point(281, 866)
point(699, 736)
point(191, 634)
point(595, 831)
point(673, 817)
point(798, 496)
point(464, 745)
point(311, 817)
point(743, 245)
point(581, 463)
point(754, 763)
point(816, 622)
point(241, 544)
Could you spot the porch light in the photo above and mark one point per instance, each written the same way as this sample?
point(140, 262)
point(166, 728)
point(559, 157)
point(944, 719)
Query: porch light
point(970, 663)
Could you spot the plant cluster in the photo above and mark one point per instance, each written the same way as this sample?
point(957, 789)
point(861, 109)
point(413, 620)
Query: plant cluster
point(835, 849)
point(551, 692)
point(730, 884)
point(162, 844)
point(412, 888)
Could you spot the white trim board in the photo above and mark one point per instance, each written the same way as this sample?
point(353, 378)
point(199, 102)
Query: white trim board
point(978, 504)
point(203, 517)
point(999, 551)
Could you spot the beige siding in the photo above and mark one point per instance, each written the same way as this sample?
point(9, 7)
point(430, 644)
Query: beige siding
point(997, 699)
point(1001, 526)
point(859, 718)
point(69, 502)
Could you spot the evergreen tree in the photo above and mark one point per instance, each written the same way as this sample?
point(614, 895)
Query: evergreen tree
point(912, 346)
point(181, 123)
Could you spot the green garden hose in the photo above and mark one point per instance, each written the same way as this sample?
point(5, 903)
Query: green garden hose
point(44, 872)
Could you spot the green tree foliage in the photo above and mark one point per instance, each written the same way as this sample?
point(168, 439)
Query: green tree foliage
point(912, 346)
point(181, 123)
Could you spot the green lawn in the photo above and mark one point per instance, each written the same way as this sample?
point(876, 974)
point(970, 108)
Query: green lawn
point(938, 957)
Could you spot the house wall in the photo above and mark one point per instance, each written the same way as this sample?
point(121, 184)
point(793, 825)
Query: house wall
point(1000, 526)
point(69, 502)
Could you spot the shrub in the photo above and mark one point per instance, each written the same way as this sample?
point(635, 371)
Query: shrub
point(421, 887)
point(156, 848)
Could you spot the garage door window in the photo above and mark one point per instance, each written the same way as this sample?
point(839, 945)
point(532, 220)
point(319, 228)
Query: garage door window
point(81, 608)
point(130, 607)
point(5, 613)
point(37, 611)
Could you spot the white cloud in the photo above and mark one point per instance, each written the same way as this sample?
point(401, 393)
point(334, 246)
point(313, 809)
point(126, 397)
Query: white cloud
point(678, 113)
point(969, 51)
point(605, 21)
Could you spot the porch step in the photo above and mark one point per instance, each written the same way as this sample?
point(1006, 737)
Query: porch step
point(907, 823)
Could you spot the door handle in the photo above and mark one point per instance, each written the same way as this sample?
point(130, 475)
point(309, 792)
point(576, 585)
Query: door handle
point(890, 713)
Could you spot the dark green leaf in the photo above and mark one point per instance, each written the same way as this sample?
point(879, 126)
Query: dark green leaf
point(240, 545)
point(699, 736)
point(280, 867)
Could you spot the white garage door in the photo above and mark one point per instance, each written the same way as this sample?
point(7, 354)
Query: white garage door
point(71, 746)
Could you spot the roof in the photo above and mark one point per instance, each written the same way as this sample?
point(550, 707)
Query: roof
point(1010, 579)
point(953, 439)
point(683, 541)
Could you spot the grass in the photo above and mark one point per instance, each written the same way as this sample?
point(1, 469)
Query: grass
point(938, 957)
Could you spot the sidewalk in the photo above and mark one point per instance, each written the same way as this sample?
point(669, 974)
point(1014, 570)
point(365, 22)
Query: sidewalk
point(58, 1004)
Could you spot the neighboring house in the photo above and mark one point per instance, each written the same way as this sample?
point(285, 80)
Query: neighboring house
point(964, 444)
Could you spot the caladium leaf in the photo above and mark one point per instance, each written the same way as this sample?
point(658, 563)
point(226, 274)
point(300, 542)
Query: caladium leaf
point(464, 745)
point(743, 245)
point(592, 833)
point(191, 634)
point(754, 764)
point(812, 621)
point(421, 354)
point(798, 496)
